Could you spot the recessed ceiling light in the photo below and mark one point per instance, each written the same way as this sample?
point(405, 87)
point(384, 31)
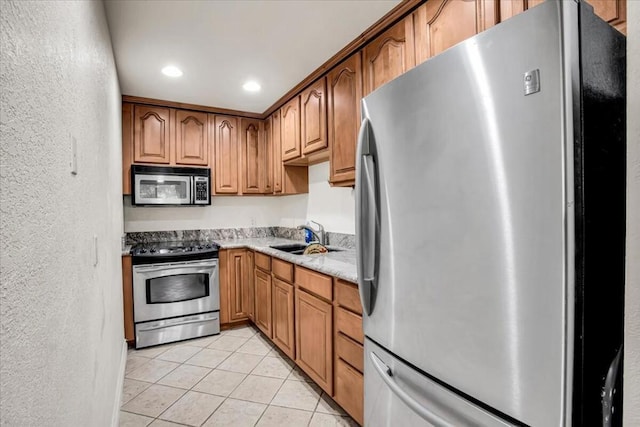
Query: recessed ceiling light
point(251, 86)
point(172, 71)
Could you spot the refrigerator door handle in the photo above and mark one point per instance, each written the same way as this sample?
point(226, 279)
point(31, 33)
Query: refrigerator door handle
point(387, 376)
point(366, 216)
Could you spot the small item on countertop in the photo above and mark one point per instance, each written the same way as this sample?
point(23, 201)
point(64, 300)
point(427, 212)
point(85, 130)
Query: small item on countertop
point(315, 248)
point(308, 236)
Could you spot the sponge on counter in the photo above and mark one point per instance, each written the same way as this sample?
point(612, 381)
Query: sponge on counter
point(315, 248)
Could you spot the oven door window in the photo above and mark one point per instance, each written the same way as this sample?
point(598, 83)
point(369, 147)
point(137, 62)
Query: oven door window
point(181, 287)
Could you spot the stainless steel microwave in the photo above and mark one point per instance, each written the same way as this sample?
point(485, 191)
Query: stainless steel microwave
point(170, 186)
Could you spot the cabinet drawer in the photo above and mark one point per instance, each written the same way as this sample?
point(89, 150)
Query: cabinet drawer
point(282, 269)
point(347, 296)
point(314, 282)
point(263, 261)
point(350, 351)
point(349, 324)
point(349, 390)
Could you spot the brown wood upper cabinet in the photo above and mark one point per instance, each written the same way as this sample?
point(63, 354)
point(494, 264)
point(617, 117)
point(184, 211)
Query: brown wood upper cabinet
point(277, 151)
point(266, 163)
point(252, 156)
point(344, 91)
point(169, 136)
point(388, 55)
point(151, 135)
point(440, 24)
point(127, 146)
point(192, 138)
point(612, 11)
point(225, 136)
point(290, 129)
point(313, 104)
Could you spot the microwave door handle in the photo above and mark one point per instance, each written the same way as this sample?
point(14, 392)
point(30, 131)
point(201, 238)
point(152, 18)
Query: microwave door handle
point(193, 191)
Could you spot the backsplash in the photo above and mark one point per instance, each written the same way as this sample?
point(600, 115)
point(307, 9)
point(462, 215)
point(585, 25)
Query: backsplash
point(334, 239)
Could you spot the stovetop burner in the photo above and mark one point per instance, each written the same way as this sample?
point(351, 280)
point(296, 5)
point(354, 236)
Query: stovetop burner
point(153, 252)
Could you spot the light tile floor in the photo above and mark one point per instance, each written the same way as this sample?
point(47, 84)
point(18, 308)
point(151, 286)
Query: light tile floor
point(237, 378)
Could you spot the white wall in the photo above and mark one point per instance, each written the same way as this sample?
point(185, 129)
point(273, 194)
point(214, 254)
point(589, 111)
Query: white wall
point(62, 333)
point(632, 310)
point(332, 207)
point(224, 212)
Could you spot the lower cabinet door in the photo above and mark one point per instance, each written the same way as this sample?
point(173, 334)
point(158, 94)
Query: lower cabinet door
point(283, 321)
point(251, 290)
point(350, 390)
point(314, 339)
point(262, 312)
point(238, 278)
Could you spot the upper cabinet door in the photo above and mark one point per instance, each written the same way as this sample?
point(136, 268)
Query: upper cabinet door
point(277, 151)
point(314, 117)
point(612, 11)
point(252, 156)
point(343, 95)
point(388, 55)
point(290, 127)
point(127, 146)
point(192, 139)
point(266, 157)
point(151, 137)
point(440, 24)
point(225, 136)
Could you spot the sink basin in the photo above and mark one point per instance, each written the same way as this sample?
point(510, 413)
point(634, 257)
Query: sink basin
point(290, 247)
point(297, 248)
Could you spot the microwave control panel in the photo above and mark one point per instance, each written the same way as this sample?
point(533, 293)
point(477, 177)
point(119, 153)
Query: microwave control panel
point(201, 192)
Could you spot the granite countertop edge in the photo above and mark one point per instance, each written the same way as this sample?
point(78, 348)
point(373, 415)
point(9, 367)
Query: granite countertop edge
point(340, 264)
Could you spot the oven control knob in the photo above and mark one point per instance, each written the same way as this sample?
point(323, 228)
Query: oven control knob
point(199, 247)
point(208, 246)
point(143, 251)
point(153, 251)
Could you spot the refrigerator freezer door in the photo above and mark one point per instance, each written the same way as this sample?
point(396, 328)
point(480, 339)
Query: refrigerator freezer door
point(474, 199)
point(398, 395)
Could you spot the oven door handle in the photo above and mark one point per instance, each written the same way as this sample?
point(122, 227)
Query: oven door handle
point(165, 325)
point(171, 267)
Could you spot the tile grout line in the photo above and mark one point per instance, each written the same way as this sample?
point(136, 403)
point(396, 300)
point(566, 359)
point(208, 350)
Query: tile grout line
point(276, 355)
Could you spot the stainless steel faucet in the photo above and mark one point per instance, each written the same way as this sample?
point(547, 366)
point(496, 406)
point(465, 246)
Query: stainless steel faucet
point(320, 235)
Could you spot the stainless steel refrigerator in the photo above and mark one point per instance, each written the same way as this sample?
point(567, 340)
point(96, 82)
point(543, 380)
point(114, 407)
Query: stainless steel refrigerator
point(490, 200)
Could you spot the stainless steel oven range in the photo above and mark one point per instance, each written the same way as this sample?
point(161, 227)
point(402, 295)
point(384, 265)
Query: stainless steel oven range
point(176, 292)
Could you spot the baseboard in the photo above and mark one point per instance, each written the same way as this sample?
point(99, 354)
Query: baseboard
point(115, 417)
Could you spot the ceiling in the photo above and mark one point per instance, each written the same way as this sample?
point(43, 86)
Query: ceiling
point(219, 45)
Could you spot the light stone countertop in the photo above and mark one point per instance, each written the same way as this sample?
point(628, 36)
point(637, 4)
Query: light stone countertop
point(341, 264)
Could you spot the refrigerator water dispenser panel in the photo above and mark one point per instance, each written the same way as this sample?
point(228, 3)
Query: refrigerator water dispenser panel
point(531, 82)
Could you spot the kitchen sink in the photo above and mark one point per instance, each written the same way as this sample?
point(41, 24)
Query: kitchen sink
point(297, 248)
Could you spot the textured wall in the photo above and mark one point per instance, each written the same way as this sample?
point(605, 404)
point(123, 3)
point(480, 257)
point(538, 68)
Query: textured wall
point(61, 317)
point(332, 207)
point(632, 310)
